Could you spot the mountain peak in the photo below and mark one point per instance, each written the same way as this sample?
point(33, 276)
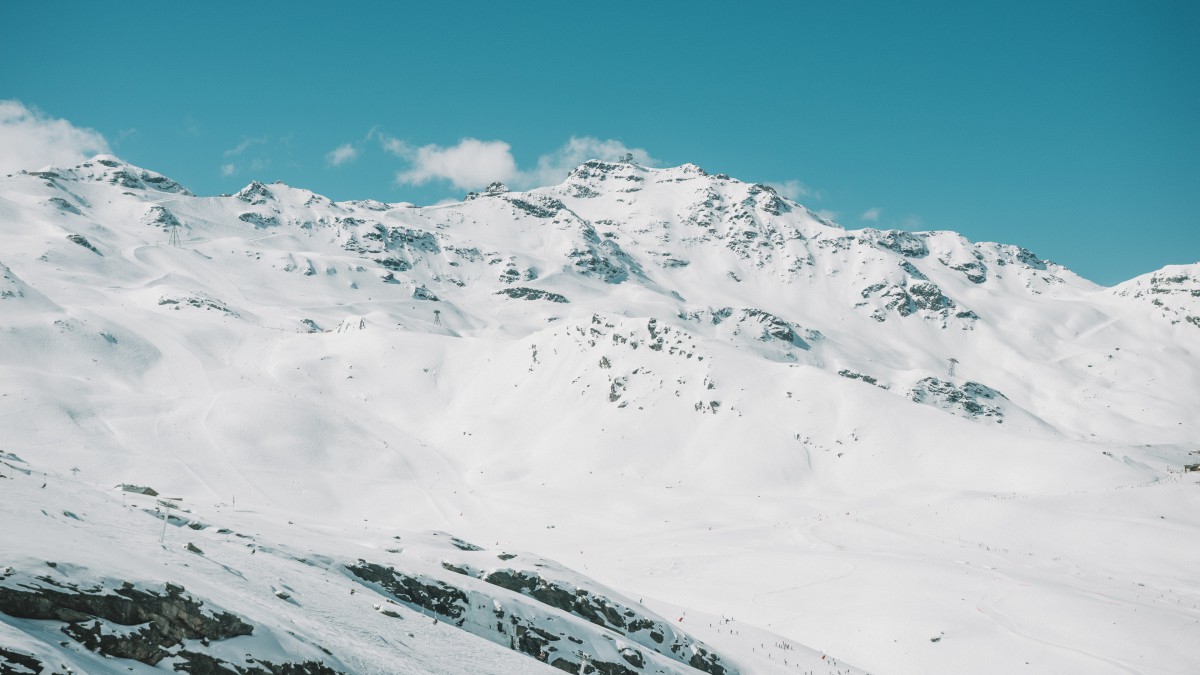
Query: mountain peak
point(110, 160)
point(255, 193)
point(493, 189)
point(594, 168)
point(111, 169)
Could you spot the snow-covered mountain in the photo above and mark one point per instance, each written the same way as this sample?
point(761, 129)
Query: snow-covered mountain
point(719, 413)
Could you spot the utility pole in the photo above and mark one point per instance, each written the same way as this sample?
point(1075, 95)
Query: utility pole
point(173, 235)
point(953, 362)
point(166, 502)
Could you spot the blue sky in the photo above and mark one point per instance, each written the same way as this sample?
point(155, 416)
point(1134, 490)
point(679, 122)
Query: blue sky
point(1069, 128)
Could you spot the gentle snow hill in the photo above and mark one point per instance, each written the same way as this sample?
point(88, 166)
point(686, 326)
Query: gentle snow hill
point(910, 451)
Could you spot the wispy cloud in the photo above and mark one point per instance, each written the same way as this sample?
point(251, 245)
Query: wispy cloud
point(241, 158)
point(473, 163)
point(390, 144)
point(191, 126)
point(342, 154)
point(31, 139)
point(872, 214)
point(246, 143)
point(792, 189)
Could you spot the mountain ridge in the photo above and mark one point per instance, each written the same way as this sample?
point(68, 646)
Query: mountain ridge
point(611, 370)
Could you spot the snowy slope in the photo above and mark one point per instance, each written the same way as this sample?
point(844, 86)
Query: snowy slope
point(676, 383)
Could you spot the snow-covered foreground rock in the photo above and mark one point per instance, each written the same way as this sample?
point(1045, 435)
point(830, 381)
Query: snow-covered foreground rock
point(719, 414)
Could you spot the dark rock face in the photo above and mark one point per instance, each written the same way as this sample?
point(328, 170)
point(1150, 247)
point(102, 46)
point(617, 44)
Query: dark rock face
point(199, 302)
point(767, 199)
point(929, 296)
point(604, 668)
point(163, 620)
point(255, 194)
point(602, 259)
point(592, 262)
point(159, 216)
point(166, 619)
point(134, 178)
point(605, 613)
point(402, 238)
point(905, 243)
point(777, 328)
point(422, 293)
point(199, 663)
point(762, 324)
point(432, 594)
point(1030, 259)
point(463, 545)
point(924, 297)
point(596, 176)
point(539, 636)
point(64, 205)
point(83, 241)
point(16, 663)
point(850, 374)
point(259, 220)
point(538, 207)
point(912, 271)
point(394, 264)
point(524, 293)
point(971, 399)
point(124, 175)
point(975, 271)
point(139, 489)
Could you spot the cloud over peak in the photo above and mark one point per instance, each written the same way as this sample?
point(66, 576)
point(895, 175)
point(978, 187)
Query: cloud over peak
point(31, 139)
point(792, 189)
point(472, 163)
point(553, 168)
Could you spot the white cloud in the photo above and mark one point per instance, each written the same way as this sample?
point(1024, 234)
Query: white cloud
point(872, 214)
point(470, 164)
point(32, 140)
point(228, 170)
point(396, 146)
point(391, 145)
point(792, 189)
point(826, 214)
point(473, 163)
point(342, 154)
